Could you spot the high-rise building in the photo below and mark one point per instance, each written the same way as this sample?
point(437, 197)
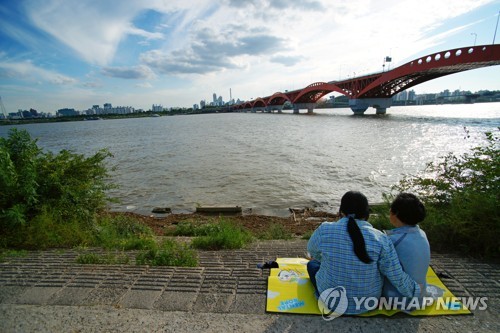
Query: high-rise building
point(157, 108)
point(411, 95)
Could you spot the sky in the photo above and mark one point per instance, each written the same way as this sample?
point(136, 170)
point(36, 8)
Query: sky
point(76, 53)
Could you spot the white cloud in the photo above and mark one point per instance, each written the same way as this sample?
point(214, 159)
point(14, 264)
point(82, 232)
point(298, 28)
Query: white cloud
point(144, 85)
point(136, 72)
point(212, 51)
point(256, 47)
point(29, 72)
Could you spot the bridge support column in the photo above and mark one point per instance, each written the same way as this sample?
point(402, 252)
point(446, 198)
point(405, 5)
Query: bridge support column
point(359, 105)
point(308, 106)
point(272, 108)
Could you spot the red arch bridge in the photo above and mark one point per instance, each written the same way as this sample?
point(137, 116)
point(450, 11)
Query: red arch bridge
point(376, 90)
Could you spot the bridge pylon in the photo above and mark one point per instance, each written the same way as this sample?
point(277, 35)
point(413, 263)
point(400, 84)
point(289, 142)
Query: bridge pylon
point(359, 105)
point(308, 106)
point(3, 112)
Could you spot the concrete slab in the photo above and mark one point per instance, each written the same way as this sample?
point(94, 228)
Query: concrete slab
point(9, 293)
point(71, 296)
point(36, 295)
point(104, 296)
point(176, 301)
point(213, 303)
point(139, 299)
point(249, 304)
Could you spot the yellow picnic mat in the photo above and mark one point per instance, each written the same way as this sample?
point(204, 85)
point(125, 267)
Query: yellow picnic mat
point(289, 290)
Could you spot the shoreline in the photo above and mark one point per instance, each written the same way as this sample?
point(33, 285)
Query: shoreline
point(298, 222)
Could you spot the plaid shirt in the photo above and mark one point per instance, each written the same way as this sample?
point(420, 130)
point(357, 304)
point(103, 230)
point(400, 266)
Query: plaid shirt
point(332, 246)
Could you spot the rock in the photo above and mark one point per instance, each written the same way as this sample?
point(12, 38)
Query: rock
point(162, 210)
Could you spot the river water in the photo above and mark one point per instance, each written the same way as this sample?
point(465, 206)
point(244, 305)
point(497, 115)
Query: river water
point(269, 162)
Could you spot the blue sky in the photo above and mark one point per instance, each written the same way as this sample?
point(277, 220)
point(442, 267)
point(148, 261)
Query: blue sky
point(76, 53)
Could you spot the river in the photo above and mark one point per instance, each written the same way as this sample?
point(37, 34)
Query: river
point(268, 162)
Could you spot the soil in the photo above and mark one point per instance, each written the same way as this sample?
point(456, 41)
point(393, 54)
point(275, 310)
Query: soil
point(298, 223)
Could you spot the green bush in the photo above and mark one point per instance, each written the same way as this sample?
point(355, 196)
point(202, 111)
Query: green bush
point(461, 194)
point(19, 160)
point(49, 200)
point(169, 253)
point(74, 184)
point(379, 215)
point(226, 235)
point(64, 187)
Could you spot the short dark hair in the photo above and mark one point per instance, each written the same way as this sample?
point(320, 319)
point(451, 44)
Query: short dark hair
point(408, 208)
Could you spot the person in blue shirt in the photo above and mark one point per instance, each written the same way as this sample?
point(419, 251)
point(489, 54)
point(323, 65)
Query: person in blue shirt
point(350, 253)
point(409, 240)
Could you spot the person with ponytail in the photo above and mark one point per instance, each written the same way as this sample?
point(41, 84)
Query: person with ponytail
point(350, 253)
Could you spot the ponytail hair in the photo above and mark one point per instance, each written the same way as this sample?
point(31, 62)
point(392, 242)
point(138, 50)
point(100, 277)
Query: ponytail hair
point(355, 205)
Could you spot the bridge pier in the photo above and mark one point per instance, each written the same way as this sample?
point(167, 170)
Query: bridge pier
point(272, 108)
point(359, 105)
point(308, 106)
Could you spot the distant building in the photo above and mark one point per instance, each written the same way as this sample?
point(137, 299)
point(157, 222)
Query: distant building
point(411, 95)
point(122, 110)
point(66, 112)
point(157, 108)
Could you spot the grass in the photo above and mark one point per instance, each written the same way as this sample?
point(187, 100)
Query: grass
point(168, 253)
point(223, 235)
point(124, 233)
point(102, 259)
point(307, 235)
point(5, 254)
point(193, 228)
point(276, 231)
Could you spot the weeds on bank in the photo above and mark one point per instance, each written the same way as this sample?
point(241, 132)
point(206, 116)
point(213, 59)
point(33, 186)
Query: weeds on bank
point(224, 234)
point(123, 232)
point(194, 229)
point(307, 235)
point(168, 253)
point(102, 259)
point(276, 231)
point(5, 254)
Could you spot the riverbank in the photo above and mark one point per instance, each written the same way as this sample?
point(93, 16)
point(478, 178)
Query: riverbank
point(46, 291)
point(299, 223)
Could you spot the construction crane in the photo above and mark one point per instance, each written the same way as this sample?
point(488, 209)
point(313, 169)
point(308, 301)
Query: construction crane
point(2, 108)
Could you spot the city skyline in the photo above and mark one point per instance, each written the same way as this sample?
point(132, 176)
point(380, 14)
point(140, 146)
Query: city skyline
point(80, 53)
